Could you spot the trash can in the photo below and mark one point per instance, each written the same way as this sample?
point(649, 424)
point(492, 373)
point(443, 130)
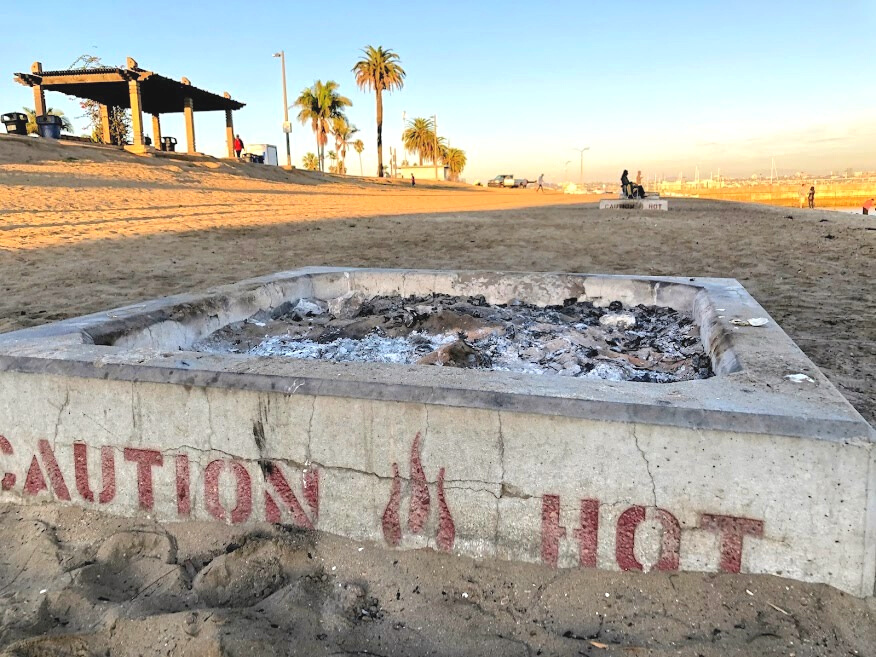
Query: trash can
point(168, 144)
point(16, 123)
point(49, 126)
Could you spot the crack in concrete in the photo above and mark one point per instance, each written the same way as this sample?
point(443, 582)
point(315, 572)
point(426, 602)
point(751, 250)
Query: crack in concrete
point(501, 476)
point(647, 464)
point(61, 410)
point(209, 415)
point(133, 410)
point(307, 452)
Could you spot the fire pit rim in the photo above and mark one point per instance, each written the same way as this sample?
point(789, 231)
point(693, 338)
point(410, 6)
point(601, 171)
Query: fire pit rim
point(751, 394)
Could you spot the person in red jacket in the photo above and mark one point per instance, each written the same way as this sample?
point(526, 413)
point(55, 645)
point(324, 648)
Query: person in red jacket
point(238, 145)
point(868, 205)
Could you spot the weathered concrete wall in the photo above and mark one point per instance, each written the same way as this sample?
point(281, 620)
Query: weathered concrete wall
point(744, 472)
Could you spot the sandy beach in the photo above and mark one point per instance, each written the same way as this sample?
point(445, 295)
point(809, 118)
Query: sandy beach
point(86, 229)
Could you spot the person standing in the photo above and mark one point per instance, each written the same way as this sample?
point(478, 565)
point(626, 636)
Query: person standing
point(540, 187)
point(802, 194)
point(238, 145)
point(413, 181)
point(812, 198)
point(639, 179)
point(868, 205)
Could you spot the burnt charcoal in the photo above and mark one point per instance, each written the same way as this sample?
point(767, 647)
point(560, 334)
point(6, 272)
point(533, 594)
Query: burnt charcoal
point(438, 329)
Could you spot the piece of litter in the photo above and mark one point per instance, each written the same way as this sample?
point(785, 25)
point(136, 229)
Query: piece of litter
point(596, 644)
point(465, 595)
point(334, 567)
point(749, 592)
point(779, 609)
point(360, 549)
point(754, 321)
point(607, 595)
point(43, 591)
point(799, 378)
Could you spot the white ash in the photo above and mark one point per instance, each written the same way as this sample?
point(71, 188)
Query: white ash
point(577, 339)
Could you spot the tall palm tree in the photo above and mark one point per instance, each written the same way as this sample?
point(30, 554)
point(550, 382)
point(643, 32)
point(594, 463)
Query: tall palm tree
point(379, 70)
point(358, 146)
point(66, 125)
point(343, 131)
point(454, 159)
point(419, 138)
point(320, 104)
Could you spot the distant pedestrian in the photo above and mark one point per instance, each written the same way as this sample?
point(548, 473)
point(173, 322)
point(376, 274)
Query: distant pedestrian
point(629, 189)
point(413, 181)
point(238, 145)
point(802, 194)
point(868, 205)
point(812, 198)
point(540, 187)
point(639, 179)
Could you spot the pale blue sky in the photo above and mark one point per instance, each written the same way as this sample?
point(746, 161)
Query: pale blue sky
point(663, 88)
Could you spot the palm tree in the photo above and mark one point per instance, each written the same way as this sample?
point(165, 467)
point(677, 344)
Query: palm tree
point(419, 138)
point(343, 132)
point(333, 156)
point(454, 159)
point(320, 104)
point(358, 146)
point(66, 125)
point(379, 70)
point(310, 162)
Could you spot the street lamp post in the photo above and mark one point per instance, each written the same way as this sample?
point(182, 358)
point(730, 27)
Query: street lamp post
point(435, 155)
point(581, 151)
point(286, 125)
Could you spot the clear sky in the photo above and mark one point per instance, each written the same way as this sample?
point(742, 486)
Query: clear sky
point(661, 87)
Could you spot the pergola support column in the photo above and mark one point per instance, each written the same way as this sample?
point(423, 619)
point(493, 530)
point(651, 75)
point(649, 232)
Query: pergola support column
point(105, 125)
point(229, 129)
point(189, 110)
point(136, 112)
point(156, 131)
point(39, 96)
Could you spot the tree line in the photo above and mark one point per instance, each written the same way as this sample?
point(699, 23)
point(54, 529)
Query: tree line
point(324, 108)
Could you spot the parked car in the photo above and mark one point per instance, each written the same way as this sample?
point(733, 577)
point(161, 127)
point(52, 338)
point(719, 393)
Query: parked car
point(502, 180)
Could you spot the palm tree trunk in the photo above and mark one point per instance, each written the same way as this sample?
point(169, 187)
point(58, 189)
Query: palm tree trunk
point(318, 155)
point(379, 133)
point(360, 165)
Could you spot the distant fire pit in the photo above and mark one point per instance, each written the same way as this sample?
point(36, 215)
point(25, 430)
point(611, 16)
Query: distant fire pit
point(650, 343)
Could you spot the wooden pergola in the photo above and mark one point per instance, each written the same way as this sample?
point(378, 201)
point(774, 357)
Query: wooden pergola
point(135, 88)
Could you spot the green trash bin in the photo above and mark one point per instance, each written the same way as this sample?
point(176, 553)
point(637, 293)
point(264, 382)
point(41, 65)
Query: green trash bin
point(16, 123)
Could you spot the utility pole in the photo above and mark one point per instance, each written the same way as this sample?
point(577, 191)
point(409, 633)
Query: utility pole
point(287, 127)
point(435, 156)
point(581, 173)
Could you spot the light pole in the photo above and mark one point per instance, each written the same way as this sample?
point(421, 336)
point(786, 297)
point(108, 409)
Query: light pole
point(581, 150)
point(287, 127)
point(435, 155)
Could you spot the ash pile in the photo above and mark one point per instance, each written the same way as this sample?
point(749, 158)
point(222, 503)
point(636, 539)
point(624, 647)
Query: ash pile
point(650, 344)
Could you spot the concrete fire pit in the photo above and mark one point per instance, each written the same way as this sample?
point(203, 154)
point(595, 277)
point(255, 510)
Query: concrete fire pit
point(763, 467)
